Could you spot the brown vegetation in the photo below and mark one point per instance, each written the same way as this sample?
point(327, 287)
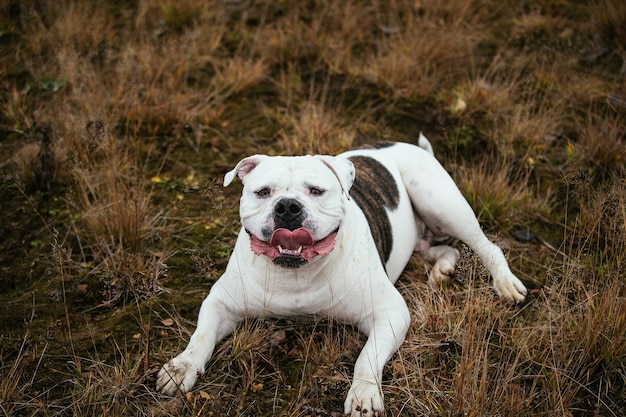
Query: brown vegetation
point(117, 121)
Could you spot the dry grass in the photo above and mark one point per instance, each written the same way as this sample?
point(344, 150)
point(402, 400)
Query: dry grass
point(113, 118)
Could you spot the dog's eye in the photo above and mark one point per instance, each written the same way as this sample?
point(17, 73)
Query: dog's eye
point(316, 191)
point(263, 192)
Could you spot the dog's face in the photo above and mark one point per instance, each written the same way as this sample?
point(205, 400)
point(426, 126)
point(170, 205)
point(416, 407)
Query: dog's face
point(293, 207)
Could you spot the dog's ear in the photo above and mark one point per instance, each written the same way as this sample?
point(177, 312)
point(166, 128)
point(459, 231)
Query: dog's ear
point(343, 169)
point(243, 168)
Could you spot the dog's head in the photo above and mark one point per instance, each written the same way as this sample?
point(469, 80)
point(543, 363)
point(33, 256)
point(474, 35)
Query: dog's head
point(293, 207)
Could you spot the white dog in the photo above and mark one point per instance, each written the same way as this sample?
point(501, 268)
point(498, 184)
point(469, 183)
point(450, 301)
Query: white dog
point(330, 236)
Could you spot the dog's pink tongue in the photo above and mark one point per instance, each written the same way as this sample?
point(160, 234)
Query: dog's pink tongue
point(293, 240)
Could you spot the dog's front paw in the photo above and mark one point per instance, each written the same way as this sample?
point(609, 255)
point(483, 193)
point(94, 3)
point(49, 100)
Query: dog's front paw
point(510, 288)
point(178, 374)
point(364, 399)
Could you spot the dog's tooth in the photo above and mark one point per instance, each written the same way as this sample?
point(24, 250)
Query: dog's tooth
point(299, 250)
point(280, 249)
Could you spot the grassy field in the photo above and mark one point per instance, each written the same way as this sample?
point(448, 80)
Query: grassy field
point(119, 119)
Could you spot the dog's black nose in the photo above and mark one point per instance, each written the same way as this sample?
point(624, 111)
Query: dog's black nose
point(288, 214)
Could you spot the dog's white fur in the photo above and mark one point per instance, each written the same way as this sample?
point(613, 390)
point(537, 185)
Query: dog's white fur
point(350, 283)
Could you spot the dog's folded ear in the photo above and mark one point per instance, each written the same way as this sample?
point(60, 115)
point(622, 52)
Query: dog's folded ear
point(343, 169)
point(243, 168)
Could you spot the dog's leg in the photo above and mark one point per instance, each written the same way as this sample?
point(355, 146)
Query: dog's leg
point(386, 328)
point(506, 284)
point(445, 211)
point(214, 323)
point(454, 217)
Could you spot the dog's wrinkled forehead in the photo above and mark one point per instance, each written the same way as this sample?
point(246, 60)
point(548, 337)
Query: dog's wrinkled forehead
point(317, 170)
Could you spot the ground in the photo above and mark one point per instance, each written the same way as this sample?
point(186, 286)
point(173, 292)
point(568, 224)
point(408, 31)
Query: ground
point(119, 120)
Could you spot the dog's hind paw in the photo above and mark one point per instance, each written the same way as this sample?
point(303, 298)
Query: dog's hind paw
point(510, 288)
point(442, 272)
point(364, 399)
point(177, 375)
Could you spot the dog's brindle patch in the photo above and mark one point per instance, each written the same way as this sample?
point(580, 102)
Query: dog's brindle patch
point(375, 189)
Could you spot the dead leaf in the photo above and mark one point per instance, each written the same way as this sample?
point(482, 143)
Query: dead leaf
point(167, 322)
point(459, 105)
point(398, 368)
point(278, 337)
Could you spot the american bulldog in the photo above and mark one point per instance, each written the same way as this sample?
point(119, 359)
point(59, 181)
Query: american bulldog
point(330, 235)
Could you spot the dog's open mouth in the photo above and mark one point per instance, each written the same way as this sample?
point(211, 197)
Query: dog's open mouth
point(292, 248)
